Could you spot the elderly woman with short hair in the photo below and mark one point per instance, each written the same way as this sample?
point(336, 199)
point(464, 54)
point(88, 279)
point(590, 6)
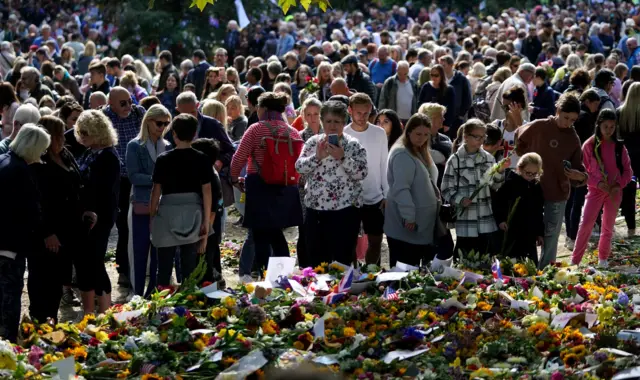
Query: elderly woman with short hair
point(19, 223)
point(100, 172)
point(142, 153)
point(334, 165)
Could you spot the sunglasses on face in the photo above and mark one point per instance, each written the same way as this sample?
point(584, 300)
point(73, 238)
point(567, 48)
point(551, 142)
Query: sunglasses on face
point(161, 124)
point(124, 103)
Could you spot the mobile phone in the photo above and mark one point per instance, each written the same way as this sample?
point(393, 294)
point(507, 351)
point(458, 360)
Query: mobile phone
point(333, 140)
point(567, 164)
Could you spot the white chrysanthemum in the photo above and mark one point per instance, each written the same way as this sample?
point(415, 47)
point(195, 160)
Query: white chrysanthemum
point(149, 338)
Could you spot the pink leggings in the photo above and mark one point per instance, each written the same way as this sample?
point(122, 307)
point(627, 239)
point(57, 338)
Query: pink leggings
point(595, 200)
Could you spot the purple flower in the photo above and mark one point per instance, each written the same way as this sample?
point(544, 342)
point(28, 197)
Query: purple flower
point(600, 356)
point(412, 333)
point(180, 311)
point(308, 272)
point(34, 356)
point(623, 299)
point(557, 376)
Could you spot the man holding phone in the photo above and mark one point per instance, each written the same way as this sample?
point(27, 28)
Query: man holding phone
point(374, 140)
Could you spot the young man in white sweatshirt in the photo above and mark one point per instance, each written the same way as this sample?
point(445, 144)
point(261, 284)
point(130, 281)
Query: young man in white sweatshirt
point(375, 186)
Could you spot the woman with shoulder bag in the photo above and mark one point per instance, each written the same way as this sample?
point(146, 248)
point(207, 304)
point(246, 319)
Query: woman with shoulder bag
point(142, 153)
point(410, 218)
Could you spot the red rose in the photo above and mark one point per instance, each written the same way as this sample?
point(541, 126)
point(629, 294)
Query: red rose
point(308, 78)
point(570, 287)
point(94, 342)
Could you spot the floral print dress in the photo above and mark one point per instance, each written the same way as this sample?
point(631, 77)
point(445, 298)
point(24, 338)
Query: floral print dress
point(333, 184)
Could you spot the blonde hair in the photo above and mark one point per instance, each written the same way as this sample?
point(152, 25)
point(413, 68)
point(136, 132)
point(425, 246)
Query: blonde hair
point(216, 110)
point(629, 112)
point(232, 70)
point(234, 99)
point(89, 49)
point(530, 159)
point(142, 70)
point(129, 79)
point(502, 74)
point(319, 71)
point(425, 76)
point(218, 95)
point(30, 143)
point(432, 109)
point(98, 126)
point(156, 110)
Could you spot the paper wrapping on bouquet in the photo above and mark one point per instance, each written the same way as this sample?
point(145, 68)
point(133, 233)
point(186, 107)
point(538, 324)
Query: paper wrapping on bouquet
point(244, 367)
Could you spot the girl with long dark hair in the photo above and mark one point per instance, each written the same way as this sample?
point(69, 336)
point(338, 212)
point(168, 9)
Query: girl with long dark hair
point(607, 162)
point(389, 121)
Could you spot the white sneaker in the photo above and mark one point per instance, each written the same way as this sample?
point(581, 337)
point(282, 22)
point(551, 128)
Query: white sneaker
point(246, 279)
point(570, 244)
point(603, 263)
point(631, 232)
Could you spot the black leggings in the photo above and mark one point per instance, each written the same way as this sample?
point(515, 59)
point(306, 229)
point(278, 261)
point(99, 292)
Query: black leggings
point(268, 240)
point(45, 283)
point(90, 269)
point(409, 253)
point(332, 235)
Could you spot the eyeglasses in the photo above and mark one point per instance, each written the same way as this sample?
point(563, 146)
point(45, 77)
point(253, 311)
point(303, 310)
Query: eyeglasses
point(477, 137)
point(161, 124)
point(531, 174)
point(124, 103)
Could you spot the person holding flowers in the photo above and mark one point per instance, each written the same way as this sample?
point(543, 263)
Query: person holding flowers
point(555, 141)
point(412, 201)
point(518, 211)
point(468, 174)
point(609, 167)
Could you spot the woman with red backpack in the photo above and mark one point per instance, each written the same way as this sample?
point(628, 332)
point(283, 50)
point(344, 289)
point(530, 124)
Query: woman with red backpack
point(270, 149)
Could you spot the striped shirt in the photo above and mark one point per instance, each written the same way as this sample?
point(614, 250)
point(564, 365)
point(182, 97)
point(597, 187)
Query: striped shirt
point(127, 128)
point(250, 149)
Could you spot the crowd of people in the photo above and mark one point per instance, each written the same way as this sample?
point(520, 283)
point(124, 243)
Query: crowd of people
point(405, 123)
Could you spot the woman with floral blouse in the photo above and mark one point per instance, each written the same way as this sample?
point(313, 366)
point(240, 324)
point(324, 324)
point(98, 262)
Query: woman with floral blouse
point(333, 188)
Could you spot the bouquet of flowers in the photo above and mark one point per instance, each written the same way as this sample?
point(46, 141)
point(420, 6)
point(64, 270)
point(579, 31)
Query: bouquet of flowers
point(313, 85)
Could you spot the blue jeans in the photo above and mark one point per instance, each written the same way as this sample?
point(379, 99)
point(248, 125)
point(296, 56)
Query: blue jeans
point(142, 249)
point(11, 284)
point(553, 215)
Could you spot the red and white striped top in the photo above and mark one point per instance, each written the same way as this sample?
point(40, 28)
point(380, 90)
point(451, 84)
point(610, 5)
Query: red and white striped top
point(250, 149)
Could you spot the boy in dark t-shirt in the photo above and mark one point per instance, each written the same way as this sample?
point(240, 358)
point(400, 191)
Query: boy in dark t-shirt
point(211, 148)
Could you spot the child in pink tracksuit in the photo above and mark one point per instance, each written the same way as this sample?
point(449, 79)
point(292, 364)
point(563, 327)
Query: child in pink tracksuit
point(609, 168)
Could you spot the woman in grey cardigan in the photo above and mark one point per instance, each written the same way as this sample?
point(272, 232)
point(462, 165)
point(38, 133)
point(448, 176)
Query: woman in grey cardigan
point(412, 201)
point(142, 153)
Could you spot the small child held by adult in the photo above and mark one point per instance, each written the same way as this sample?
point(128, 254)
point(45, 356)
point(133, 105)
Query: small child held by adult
point(525, 229)
point(607, 162)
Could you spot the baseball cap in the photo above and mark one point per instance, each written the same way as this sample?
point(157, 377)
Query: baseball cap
point(349, 60)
